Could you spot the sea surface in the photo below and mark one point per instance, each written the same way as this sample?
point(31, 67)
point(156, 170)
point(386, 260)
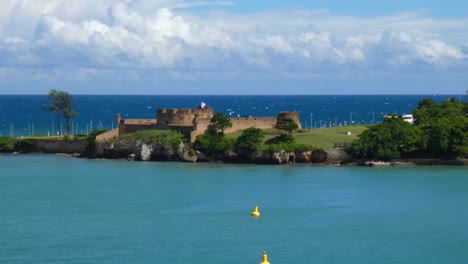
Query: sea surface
point(57, 209)
point(21, 115)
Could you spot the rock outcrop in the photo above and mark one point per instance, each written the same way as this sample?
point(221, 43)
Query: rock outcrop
point(138, 150)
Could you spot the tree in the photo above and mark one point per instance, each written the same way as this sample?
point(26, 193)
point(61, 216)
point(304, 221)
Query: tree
point(212, 143)
point(60, 103)
point(249, 141)
point(393, 139)
point(219, 122)
point(287, 124)
point(444, 127)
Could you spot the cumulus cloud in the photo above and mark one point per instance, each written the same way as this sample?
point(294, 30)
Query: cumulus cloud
point(132, 35)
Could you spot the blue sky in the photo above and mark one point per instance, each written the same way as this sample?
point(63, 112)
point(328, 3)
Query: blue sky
point(448, 8)
point(234, 47)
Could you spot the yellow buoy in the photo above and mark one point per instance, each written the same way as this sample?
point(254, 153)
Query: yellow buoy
point(264, 259)
point(255, 212)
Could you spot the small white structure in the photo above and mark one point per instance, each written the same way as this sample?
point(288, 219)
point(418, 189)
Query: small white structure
point(408, 118)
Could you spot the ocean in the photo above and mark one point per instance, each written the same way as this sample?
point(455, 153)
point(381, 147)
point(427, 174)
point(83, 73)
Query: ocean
point(22, 115)
point(58, 209)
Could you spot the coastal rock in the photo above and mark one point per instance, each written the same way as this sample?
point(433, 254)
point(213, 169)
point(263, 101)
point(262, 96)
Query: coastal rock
point(338, 156)
point(186, 156)
point(303, 156)
point(145, 153)
point(271, 157)
point(202, 156)
point(131, 157)
point(121, 149)
point(280, 157)
point(230, 156)
point(319, 156)
point(377, 163)
point(260, 157)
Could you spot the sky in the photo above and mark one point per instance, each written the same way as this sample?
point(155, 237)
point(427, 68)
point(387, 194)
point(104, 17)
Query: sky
point(183, 47)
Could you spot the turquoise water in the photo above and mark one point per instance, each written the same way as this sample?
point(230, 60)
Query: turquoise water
point(56, 209)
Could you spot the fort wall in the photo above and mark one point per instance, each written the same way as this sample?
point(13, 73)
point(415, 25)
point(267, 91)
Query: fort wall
point(132, 128)
point(138, 121)
point(108, 135)
point(293, 115)
point(181, 117)
point(192, 122)
point(242, 123)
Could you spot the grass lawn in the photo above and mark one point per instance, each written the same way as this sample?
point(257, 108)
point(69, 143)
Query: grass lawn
point(319, 138)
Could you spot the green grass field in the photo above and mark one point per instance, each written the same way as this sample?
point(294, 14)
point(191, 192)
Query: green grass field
point(324, 138)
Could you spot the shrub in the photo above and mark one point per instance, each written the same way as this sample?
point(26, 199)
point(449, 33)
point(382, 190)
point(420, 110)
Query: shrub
point(157, 137)
point(213, 143)
point(249, 141)
point(7, 144)
point(90, 139)
point(285, 142)
point(281, 139)
point(25, 145)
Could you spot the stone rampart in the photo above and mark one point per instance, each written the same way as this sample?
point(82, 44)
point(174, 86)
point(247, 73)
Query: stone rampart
point(193, 122)
point(138, 121)
point(182, 117)
point(132, 128)
point(108, 135)
point(242, 123)
point(293, 115)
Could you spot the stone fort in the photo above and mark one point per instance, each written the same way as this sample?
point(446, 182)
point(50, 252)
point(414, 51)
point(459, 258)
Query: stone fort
point(191, 122)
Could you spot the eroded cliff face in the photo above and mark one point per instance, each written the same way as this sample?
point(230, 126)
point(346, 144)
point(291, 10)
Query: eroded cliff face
point(138, 150)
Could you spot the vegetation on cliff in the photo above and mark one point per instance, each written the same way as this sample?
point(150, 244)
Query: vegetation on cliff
point(249, 141)
point(439, 131)
point(168, 138)
point(215, 144)
point(7, 144)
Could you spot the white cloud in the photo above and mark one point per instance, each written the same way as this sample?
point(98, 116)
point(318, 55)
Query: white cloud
point(141, 35)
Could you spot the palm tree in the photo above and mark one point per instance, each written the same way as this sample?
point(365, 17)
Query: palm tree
point(61, 104)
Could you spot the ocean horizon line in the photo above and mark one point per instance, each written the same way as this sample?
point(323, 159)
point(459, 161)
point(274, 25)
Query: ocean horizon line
point(182, 95)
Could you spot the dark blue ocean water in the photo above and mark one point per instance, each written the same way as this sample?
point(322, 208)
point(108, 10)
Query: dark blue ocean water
point(22, 114)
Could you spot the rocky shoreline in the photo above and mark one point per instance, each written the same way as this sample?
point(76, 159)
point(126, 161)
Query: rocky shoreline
point(135, 150)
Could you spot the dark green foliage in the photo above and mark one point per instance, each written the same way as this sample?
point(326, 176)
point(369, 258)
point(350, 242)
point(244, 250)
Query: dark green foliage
point(7, 144)
point(393, 139)
point(157, 137)
point(444, 127)
point(219, 122)
point(61, 103)
point(213, 143)
point(284, 142)
point(90, 139)
point(249, 141)
point(281, 139)
point(25, 145)
point(192, 152)
point(286, 124)
point(439, 131)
